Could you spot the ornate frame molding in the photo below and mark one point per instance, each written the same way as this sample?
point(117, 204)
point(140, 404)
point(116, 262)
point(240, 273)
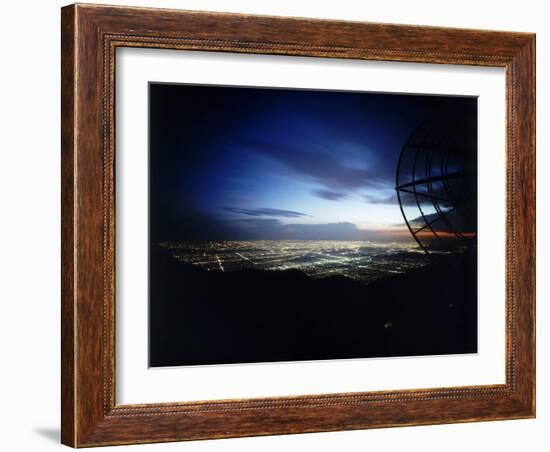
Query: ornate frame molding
point(90, 36)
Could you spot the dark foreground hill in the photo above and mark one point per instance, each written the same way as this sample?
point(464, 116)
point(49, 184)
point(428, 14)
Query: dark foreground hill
point(212, 317)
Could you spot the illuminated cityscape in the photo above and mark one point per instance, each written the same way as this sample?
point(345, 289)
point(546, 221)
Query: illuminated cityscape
point(358, 260)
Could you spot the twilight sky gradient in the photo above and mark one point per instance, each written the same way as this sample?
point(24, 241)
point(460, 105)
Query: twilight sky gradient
point(230, 163)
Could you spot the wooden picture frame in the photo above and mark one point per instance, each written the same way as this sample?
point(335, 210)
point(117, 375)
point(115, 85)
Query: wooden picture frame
point(90, 36)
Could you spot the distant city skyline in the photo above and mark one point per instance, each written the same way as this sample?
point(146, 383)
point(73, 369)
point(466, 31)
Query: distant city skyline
point(361, 261)
point(250, 163)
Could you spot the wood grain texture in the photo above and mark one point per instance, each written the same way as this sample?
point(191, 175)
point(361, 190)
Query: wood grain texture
point(68, 244)
point(90, 36)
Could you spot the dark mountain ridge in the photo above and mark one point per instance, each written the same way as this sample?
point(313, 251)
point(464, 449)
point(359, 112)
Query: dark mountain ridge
point(214, 317)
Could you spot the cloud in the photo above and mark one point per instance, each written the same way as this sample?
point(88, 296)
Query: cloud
point(330, 195)
point(407, 199)
point(391, 199)
point(453, 221)
point(266, 212)
point(266, 229)
point(326, 167)
point(259, 222)
point(273, 229)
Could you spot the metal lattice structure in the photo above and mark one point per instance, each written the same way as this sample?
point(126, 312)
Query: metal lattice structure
point(436, 184)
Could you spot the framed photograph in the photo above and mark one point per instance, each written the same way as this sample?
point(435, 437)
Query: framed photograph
point(281, 225)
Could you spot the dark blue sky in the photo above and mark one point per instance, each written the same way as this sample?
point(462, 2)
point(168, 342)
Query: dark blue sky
point(250, 163)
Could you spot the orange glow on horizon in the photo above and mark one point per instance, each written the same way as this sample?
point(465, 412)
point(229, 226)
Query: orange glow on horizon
point(403, 232)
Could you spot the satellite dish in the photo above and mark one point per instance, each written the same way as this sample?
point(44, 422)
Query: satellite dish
point(436, 183)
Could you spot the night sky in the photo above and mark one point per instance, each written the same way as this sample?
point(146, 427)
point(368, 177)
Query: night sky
point(229, 163)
